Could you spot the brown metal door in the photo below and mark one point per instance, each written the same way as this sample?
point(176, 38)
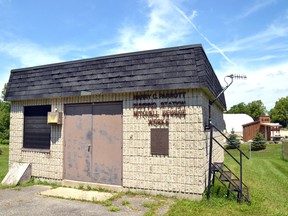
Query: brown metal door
point(107, 143)
point(78, 141)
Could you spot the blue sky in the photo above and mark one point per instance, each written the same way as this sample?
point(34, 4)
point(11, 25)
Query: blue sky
point(240, 37)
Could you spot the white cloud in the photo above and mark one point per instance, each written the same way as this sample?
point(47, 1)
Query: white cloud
point(21, 53)
point(255, 7)
point(268, 83)
point(259, 40)
point(165, 27)
point(28, 54)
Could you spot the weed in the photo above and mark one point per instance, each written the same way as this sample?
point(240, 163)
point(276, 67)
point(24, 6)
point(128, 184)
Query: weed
point(125, 203)
point(114, 209)
point(81, 187)
point(107, 203)
point(148, 204)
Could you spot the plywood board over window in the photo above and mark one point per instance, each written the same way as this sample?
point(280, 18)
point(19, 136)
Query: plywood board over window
point(36, 130)
point(159, 141)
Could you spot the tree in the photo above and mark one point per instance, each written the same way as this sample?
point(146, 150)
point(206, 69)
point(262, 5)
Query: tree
point(234, 142)
point(256, 109)
point(4, 118)
point(4, 91)
point(258, 142)
point(4, 121)
point(238, 108)
point(280, 112)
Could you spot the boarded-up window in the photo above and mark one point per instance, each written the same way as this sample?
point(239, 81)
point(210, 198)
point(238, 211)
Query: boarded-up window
point(159, 141)
point(36, 130)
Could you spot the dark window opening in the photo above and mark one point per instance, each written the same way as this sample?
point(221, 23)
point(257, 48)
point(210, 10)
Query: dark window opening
point(159, 141)
point(36, 130)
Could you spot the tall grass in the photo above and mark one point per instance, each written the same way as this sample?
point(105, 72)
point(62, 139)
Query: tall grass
point(266, 175)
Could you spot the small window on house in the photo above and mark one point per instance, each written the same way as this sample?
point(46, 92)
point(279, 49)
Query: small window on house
point(36, 130)
point(159, 141)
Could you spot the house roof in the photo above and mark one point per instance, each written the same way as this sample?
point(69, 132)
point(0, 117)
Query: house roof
point(173, 68)
point(271, 124)
point(251, 123)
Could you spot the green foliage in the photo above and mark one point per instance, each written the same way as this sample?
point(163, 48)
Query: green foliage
point(4, 91)
point(4, 141)
point(234, 142)
point(114, 209)
point(255, 109)
point(0, 152)
point(258, 143)
point(4, 118)
point(125, 203)
point(107, 203)
point(280, 112)
point(238, 109)
point(4, 122)
point(3, 161)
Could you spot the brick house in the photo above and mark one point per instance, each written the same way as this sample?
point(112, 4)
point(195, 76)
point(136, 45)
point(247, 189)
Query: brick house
point(133, 121)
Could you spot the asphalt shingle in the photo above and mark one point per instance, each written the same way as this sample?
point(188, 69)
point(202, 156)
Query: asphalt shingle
point(161, 69)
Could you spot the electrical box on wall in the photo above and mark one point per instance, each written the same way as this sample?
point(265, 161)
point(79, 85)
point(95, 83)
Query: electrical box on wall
point(54, 118)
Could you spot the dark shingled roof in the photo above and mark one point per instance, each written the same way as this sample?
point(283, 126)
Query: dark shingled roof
point(161, 69)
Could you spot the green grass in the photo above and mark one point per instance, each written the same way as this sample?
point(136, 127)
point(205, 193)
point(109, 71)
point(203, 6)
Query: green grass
point(114, 209)
point(125, 203)
point(4, 161)
point(266, 175)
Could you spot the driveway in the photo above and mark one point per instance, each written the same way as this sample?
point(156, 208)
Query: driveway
point(28, 201)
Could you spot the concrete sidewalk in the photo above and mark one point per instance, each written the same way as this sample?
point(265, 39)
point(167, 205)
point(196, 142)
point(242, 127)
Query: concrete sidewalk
point(71, 193)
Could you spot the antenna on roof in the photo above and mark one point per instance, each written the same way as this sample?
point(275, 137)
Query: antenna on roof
point(237, 76)
point(228, 83)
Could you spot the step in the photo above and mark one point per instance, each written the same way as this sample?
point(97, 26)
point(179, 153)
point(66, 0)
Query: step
point(226, 176)
point(245, 192)
point(235, 183)
point(217, 166)
point(235, 186)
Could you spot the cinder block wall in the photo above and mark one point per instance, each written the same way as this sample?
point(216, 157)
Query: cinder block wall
point(184, 171)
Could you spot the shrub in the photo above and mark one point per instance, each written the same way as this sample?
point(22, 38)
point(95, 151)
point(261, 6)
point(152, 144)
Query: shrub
point(234, 142)
point(4, 142)
point(258, 142)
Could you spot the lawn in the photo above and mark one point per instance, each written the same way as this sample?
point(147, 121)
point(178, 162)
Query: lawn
point(3, 161)
point(266, 175)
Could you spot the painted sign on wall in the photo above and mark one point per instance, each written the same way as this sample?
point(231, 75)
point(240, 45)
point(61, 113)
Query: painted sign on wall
point(158, 108)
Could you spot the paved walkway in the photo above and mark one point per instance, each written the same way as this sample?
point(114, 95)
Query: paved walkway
point(29, 201)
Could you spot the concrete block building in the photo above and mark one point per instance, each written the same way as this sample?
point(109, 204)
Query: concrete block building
point(133, 121)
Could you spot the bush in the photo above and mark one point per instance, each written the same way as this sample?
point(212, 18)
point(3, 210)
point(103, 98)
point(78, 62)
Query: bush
point(4, 141)
point(258, 142)
point(234, 142)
